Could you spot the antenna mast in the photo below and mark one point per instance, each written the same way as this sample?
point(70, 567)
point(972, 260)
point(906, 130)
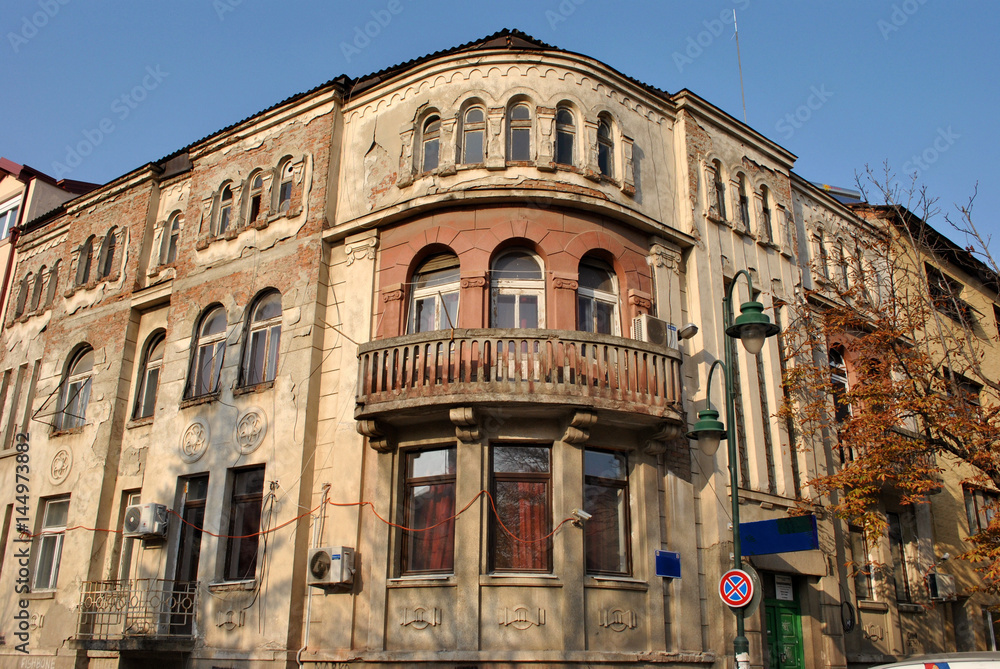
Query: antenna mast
point(740, 64)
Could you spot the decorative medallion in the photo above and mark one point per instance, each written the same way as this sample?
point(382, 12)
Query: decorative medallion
point(231, 619)
point(618, 620)
point(521, 618)
point(250, 430)
point(62, 463)
point(194, 440)
point(421, 618)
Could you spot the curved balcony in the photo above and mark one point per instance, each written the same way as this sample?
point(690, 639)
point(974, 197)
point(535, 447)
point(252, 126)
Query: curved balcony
point(501, 366)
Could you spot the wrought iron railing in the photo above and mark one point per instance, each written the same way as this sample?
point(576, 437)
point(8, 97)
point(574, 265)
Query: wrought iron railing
point(508, 365)
point(142, 607)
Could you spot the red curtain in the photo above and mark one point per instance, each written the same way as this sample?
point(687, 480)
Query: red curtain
point(433, 550)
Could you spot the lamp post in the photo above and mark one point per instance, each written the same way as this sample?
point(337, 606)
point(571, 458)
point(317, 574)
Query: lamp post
point(752, 328)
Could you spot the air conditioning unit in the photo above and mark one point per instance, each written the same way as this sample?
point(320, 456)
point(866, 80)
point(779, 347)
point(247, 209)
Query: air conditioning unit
point(653, 330)
point(942, 587)
point(146, 521)
point(331, 567)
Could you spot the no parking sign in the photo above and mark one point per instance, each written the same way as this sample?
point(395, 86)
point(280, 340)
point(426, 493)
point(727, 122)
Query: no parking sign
point(736, 588)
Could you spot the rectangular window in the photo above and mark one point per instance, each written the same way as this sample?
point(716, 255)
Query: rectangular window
point(902, 537)
point(520, 478)
point(128, 555)
point(980, 506)
point(8, 217)
point(245, 505)
point(863, 586)
point(49, 543)
point(605, 498)
point(429, 499)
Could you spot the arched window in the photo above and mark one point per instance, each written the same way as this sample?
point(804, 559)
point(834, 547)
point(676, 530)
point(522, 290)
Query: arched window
point(22, 295)
point(519, 126)
point(256, 194)
point(36, 292)
point(766, 233)
point(171, 235)
point(605, 148)
point(744, 204)
point(149, 376)
point(209, 350)
point(260, 361)
point(597, 299)
point(83, 262)
point(50, 293)
point(434, 297)
point(75, 393)
point(107, 256)
point(285, 172)
point(225, 209)
point(473, 134)
point(517, 291)
point(841, 405)
point(822, 256)
point(430, 139)
point(720, 190)
point(565, 136)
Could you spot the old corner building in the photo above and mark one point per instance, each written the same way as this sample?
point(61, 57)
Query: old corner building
point(444, 297)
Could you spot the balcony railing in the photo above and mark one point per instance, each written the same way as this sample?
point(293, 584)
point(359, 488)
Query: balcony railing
point(536, 366)
point(144, 611)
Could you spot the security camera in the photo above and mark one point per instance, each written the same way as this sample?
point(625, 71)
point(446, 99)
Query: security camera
point(688, 331)
point(581, 516)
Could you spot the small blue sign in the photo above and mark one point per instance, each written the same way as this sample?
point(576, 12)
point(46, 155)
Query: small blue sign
point(668, 564)
point(781, 535)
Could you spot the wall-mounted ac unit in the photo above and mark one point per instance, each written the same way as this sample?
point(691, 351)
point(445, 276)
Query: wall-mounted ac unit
point(942, 587)
point(331, 567)
point(653, 330)
point(146, 521)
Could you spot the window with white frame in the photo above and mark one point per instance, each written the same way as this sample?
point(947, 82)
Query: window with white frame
point(149, 376)
point(260, 361)
point(8, 216)
point(256, 194)
point(473, 135)
point(597, 299)
point(75, 395)
point(605, 148)
point(430, 143)
point(49, 543)
point(171, 235)
point(980, 507)
point(517, 291)
point(285, 173)
point(434, 295)
point(225, 209)
point(128, 556)
point(565, 136)
point(519, 131)
point(208, 352)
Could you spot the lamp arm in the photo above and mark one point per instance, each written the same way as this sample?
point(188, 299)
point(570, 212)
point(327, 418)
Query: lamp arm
point(708, 387)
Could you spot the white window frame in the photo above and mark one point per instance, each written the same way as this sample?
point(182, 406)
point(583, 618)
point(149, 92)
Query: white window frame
point(517, 287)
point(568, 129)
point(8, 216)
point(438, 293)
point(270, 330)
point(225, 209)
point(76, 391)
point(213, 344)
point(50, 540)
point(470, 129)
point(595, 295)
point(517, 126)
point(125, 557)
point(158, 339)
point(426, 138)
point(171, 235)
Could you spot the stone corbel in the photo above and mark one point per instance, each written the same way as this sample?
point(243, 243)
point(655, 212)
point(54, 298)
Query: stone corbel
point(661, 256)
point(298, 170)
point(473, 282)
point(565, 283)
point(405, 158)
point(578, 430)
point(546, 123)
point(655, 442)
point(358, 247)
point(466, 424)
point(494, 147)
point(643, 302)
point(381, 437)
point(446, 156)
point(392, 293)
point(628, 176)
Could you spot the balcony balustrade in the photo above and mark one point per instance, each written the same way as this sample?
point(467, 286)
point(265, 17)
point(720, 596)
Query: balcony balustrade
point(138, 614)
point(499, 366)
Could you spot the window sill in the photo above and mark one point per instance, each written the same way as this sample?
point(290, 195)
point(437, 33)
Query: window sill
point(201, 399)
point(257, 388)
point(8, 452)
point(139, 422)
point(906, 607)
point(616, 583)
point(232, 586)
point(872, 605)
point(714, 218)
point(40, 594)
point(68, 431)
point(521, 579)
point(422, 581)
point(768, 245)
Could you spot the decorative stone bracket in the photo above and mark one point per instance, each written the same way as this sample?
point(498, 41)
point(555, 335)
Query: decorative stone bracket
point(655, 442)
point(381, 437)
point(578, 430)
point(466, 424)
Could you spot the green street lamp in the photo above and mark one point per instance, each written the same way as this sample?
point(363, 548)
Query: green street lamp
point(752, 328)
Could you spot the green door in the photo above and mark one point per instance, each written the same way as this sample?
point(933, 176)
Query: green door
point(784, 634)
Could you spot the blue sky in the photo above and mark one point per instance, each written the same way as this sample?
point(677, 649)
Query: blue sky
point(840, 84)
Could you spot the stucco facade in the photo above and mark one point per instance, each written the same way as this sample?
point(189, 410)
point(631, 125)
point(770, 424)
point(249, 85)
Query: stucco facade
point(407, 302)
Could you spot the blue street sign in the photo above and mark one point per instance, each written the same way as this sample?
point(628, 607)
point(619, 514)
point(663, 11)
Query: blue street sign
point(668, 564)
point(782, 535)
